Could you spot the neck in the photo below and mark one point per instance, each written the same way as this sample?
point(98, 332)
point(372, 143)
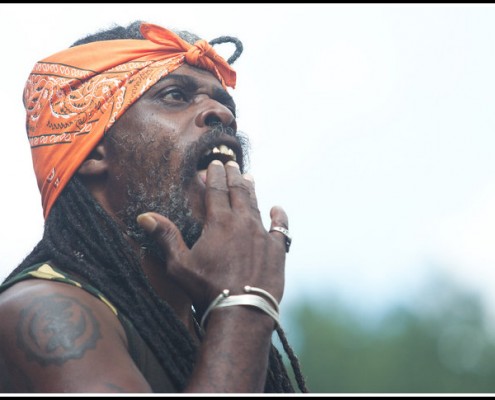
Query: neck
point(167, 289)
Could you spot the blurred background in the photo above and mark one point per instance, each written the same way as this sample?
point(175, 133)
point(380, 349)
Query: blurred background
point(373, 126)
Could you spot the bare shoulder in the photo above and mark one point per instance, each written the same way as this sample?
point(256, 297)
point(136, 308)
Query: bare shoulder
point(56, 337)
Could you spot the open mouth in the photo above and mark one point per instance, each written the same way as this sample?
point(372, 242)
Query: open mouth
point(221, 152)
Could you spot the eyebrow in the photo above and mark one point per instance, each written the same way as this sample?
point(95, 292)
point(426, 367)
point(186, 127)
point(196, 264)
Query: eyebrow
point(192, 84)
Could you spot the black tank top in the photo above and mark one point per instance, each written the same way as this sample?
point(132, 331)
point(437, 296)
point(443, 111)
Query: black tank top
point(138, 349)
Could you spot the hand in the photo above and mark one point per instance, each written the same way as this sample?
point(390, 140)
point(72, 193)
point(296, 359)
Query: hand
point(234, 249)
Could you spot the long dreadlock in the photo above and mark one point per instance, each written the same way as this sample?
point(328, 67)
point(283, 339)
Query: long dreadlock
point(80, 236)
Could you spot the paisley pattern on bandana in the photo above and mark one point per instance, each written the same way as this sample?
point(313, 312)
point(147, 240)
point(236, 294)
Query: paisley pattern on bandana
point(72, 98)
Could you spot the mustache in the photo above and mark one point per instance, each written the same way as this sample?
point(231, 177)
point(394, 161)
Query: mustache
point(208, 139)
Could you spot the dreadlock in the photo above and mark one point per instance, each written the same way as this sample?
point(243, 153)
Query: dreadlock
point(80, 236)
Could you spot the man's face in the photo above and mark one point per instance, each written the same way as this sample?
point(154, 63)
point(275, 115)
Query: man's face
point(160, 148)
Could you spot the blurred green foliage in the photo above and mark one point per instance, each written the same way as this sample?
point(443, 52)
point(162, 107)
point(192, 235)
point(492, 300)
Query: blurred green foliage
point(442, 343)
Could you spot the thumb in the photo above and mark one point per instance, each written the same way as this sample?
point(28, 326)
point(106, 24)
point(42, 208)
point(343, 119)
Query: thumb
point(165, 233)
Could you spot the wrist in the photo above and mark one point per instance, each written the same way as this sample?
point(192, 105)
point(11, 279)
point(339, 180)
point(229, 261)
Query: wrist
point(253, 298)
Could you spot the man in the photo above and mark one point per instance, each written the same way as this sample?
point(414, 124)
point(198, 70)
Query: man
point(155, 272)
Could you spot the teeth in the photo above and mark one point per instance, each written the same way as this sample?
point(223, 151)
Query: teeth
point(222, 149)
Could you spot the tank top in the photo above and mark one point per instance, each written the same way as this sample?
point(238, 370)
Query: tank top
point(139, 351)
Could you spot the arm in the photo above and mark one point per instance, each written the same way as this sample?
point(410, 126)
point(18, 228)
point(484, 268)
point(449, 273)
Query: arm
point(234, 250)
point(58, 338)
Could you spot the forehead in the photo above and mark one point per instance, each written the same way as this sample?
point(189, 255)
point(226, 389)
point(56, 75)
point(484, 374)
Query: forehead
point(201, 75)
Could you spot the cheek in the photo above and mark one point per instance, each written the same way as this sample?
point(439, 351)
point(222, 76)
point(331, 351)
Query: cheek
point(156, 127)
point(148, 148)
point(140, 140)
point(145, 119)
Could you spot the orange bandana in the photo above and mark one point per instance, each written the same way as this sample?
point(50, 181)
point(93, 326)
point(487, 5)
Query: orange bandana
point(73, 97)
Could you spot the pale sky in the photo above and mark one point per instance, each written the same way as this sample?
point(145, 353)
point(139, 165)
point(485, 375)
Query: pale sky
point(372, 125)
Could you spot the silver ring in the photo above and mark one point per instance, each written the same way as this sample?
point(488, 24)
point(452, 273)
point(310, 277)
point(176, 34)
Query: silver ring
point(285, 232)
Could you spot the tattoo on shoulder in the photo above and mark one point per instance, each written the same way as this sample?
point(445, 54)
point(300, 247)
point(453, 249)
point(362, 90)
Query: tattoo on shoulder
point(55, 328)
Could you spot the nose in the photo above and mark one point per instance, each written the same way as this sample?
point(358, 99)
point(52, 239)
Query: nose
point(213, 113)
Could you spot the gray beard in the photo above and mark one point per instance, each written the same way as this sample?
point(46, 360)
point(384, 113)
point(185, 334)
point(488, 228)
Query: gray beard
point(171, 201)
point(173, 205)
point(162, 192)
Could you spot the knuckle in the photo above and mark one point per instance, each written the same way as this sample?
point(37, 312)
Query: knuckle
point(164, 235)
point(240, 186)
point(217, 189)
point(255, 209)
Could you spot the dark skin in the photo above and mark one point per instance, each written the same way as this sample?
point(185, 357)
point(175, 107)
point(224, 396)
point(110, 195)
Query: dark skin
point(59, 338)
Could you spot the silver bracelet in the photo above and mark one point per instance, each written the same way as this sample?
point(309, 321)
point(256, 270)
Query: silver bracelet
point(225, 300)
point(250, 289)
point(250, 300)
point(225, 293)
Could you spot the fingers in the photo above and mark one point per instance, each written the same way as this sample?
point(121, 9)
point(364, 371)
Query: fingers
point(279, 226)
point(279, 217)
point(164, 232)
point(241, 188)
point(226, 187)
point(217, 193)
point(254, 200)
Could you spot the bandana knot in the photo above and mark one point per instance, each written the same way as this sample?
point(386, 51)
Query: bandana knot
point(200, 54)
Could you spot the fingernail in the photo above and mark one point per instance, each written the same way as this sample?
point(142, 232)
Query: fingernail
point(216, 162)
point(147, 222)
point(233, 164)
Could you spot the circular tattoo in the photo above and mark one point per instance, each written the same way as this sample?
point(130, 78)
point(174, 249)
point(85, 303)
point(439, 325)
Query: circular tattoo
point(54, 329)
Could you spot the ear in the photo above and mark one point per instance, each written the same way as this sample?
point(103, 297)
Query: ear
point(96, 164)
